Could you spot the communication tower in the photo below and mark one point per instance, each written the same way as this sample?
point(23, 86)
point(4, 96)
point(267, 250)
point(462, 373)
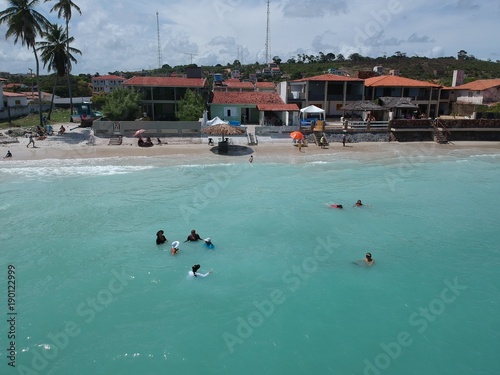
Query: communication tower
point(268, 36)
point(159, 44)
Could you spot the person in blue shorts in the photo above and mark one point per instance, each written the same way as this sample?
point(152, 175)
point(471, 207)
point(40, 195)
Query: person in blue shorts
point(208, 243)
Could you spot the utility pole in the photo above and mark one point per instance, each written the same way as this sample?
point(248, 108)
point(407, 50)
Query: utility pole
point(190, 55)
point(32, 89)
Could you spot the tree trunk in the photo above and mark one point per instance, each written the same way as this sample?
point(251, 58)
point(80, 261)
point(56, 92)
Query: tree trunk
point(52, 100)
point(40, 108)
point(68, 70)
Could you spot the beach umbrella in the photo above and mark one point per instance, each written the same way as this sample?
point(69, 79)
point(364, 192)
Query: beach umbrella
point(223, 130)
point(139, 132)
point(296, 135)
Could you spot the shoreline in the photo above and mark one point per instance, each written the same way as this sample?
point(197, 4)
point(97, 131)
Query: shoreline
point(74, 145)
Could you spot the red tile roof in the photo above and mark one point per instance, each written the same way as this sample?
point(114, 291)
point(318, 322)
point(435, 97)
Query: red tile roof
point(14, 94)
point(254, 97)
point(166, 82)
point(328, 77)
point(396, 81)
point(479, 85)
point(108, 78)
point(237, 84)
point(265, 85)
point(278, 107)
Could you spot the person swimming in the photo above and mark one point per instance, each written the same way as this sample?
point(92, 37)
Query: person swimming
point(160, 238)
point(208, 243)
point(193, 236)
point(194, 271)
point(368, 259)
point(175, 247)
point(336, 206)
point(358, 203)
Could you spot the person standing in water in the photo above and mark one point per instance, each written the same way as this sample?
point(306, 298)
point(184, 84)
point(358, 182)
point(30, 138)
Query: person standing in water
point(193, 236)
point(160, 237)
point(175, 248)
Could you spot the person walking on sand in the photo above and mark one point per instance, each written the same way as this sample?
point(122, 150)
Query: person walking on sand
point(251, 159)
point(300, 145)
point(31, 141)
point(343, 140)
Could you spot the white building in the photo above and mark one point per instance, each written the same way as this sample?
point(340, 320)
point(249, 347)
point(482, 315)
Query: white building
point(106, 84)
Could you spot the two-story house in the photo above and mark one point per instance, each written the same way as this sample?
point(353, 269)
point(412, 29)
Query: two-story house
point(327, 91)
point(161, 95)
point(106, 84)
point(424, 94)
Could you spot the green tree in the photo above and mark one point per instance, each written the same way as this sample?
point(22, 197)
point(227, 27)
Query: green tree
point(122, 105)
point(55, 54)
point(191, 107)
point(25, 23)
point(63, 9)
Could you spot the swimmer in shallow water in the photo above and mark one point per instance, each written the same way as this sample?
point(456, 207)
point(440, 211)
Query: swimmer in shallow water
point(369, 260)
point(193, 236)
point(194, 271)
point(358, 203)
point(336, 206)
point(175, 247)
point(160, 237)
point(208, 243)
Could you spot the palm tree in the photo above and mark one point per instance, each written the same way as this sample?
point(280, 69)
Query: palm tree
point(25, 23)
point(63, 9)
point(55, 55)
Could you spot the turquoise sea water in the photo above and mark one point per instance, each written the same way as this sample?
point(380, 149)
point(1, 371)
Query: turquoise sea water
point(95, 294)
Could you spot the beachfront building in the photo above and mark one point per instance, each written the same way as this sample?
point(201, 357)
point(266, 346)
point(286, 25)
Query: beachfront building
point(106, 84)
point(161, 95)
point(262, 108)
point(424, 94)
point(482, 91)
point(329, 92)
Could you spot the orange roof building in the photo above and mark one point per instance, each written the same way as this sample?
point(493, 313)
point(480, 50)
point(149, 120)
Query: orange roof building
point(161, 95)
point(424, 94)
point(483, 91)
point(263, 108)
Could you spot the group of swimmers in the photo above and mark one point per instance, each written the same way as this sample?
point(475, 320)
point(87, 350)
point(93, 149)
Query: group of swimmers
point(174, 248)
point(368, 257)
point(357, 204)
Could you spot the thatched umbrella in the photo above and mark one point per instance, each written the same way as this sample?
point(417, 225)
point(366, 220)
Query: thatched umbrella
point(362, 105)
point(223, 130)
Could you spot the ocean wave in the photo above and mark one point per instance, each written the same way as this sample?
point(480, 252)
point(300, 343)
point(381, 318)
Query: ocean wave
point(70, 170)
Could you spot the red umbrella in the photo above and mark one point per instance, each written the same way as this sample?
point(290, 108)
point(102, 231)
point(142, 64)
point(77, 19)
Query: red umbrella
point(139, 132)
point(296, 135)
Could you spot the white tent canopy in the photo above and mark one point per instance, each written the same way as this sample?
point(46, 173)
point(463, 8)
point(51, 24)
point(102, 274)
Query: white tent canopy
point(312, 109)
point(215, 121)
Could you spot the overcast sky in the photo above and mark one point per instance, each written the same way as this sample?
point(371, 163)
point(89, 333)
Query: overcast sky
point(122, 34)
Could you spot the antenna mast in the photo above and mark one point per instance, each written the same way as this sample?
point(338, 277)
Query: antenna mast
point(159, 44)
point(268, 36)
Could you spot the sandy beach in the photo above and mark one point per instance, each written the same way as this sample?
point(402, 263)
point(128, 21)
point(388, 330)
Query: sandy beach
point(74, 144)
